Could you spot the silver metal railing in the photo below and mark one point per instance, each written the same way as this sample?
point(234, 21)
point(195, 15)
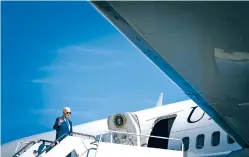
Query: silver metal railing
point(54, 143)
point(140, 135)
point(26, 147)
point(18, 144)
point(85, 136)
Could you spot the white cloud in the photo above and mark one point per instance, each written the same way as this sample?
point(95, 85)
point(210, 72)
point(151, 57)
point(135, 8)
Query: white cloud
point(80, 67)
point(71, 66)
point(42, 80)
point(52, 111)
point(88, 114)
point(85, 50)
point(46, 111)
point(75, 60)
point(91, 99)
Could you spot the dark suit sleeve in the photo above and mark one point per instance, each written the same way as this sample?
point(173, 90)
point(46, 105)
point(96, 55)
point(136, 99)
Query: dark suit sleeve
point(56, 124)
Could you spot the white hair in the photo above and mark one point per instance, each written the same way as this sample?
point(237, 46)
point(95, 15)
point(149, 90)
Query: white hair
point(66, 109)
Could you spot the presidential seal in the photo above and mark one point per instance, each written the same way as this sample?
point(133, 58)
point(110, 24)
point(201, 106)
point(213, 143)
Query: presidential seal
point(119, 120)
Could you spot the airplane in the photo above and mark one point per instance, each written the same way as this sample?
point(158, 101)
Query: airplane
point(213, 39)
point(183, 120)
point(201, 46)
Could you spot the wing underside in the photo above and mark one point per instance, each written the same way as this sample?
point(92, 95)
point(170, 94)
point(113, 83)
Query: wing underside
point(202, 46)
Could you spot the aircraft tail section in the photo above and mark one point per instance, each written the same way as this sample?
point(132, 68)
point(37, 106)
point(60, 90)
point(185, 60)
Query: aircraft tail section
point(160, 100)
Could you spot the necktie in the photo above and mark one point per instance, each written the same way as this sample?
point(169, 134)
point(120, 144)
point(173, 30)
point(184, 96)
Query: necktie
point(68, 124)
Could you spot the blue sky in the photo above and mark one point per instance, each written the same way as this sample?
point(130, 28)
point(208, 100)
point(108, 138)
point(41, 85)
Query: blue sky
point(57, 54)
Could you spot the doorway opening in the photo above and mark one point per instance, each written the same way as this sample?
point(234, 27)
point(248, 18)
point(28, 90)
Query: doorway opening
point(162, 128)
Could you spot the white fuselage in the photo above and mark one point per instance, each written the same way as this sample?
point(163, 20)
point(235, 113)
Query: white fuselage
point(190, 121)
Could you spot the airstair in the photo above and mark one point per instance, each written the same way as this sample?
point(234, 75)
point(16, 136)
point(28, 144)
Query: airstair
point(30, 148)
point(78, 146)
point(123, 139)
point(81, 145)
point(65, 144)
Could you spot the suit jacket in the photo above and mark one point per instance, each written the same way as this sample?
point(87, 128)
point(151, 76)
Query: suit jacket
point(62, 128)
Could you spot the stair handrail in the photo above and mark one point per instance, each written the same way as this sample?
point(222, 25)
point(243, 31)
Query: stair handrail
point(23, 149)
point(81, 134)
point(42, 140)
point(52, 144)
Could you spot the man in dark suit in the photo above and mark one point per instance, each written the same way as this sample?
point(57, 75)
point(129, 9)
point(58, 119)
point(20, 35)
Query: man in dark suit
point(62, 124)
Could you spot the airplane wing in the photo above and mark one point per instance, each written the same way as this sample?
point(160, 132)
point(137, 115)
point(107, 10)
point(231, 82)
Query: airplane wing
point(202, 46)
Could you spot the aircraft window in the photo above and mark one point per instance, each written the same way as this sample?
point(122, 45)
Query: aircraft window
point(200, 141)
point(230, 140)
point(185, 141)
point(215, 138)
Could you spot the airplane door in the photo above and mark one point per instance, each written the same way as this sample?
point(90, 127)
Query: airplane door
point(162, 128)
